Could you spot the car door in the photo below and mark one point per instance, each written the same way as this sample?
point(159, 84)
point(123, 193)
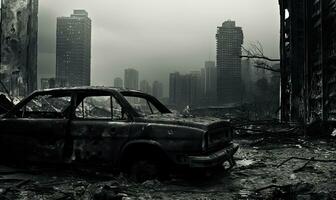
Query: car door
point(36, 130)
point(99, 128)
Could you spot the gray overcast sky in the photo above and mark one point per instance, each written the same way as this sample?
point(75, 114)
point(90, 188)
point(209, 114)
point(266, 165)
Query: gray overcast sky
point(156, 36)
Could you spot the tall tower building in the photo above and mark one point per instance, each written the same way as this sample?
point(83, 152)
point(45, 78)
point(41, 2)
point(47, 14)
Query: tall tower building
point(73, 49)
point(229, 40)
point(131, 80)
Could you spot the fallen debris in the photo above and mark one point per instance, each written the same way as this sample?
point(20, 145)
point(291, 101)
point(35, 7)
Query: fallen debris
point(15, 186)
point(307, 159)
point(301, 168)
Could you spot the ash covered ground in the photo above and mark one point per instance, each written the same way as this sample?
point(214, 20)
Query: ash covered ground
point(264, 170)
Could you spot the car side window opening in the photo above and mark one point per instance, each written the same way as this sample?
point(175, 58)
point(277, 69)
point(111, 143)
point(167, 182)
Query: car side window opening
point(46, 106)
point(142, 105)
point(100, 107)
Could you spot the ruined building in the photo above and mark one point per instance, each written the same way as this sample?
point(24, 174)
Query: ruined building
point(19, 28)
point(308, 60)
point(229, 40)
point(73, 49)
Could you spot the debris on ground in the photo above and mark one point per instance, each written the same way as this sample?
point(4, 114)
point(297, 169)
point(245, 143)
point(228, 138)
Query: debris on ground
point(287, 165)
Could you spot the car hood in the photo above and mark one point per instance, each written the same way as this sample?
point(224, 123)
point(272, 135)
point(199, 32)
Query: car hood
point(204, 123)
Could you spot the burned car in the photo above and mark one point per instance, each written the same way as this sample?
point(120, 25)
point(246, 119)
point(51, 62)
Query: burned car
point(116, 128)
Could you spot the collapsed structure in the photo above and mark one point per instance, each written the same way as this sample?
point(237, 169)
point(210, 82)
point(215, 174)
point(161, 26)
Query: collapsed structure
point(308, 60)
point(19, 27)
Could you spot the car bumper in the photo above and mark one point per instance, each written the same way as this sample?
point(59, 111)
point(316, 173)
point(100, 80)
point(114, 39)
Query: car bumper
point(214, 159)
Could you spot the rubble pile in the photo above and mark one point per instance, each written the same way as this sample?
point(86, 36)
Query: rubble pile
point(296, 168)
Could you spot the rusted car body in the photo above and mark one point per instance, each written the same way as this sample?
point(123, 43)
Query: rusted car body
point(110, 127)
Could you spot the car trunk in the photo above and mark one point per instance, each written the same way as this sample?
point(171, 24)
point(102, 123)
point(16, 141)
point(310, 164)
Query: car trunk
point(218, 132)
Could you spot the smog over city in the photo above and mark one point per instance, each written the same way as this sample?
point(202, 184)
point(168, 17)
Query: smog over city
point(167, 99)
point(156, 37)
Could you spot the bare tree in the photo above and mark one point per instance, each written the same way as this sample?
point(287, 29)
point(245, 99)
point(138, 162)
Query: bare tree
point(255, 51)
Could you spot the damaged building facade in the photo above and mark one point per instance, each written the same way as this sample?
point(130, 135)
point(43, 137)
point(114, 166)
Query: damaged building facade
point(73, 49)
point(308, 60)
point(19, 28)
point(229, 39)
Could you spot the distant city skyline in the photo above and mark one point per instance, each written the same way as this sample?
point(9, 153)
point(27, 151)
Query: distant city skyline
point(158, 42)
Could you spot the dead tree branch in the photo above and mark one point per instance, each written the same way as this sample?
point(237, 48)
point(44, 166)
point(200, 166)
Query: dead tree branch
point(261, 57)
point(267, 68)
point(256, 51)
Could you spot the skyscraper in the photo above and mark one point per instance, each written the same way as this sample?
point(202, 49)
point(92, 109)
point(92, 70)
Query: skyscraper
point(73, 49)
point(131, 80)
point(118, 82)
point(185, 89)
point(229, 40)
point(157, 89)
point(18, 50)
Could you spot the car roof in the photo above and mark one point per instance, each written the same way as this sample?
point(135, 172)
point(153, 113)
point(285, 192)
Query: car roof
point(88, 88)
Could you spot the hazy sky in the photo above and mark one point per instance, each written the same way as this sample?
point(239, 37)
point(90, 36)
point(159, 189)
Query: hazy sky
point(156, 37)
